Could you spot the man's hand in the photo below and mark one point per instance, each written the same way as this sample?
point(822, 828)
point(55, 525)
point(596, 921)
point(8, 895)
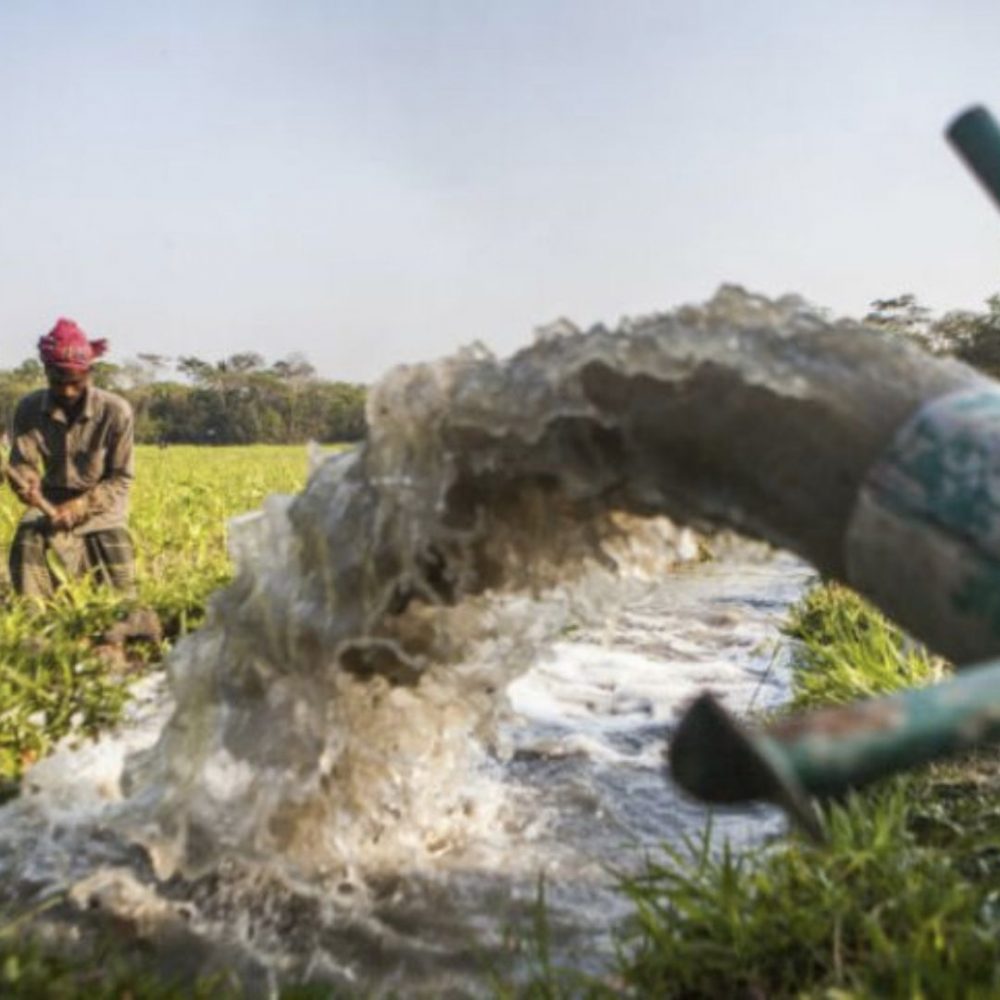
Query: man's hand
point(69, 514)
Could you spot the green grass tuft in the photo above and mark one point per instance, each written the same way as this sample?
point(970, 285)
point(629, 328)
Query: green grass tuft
point(846, 650)
point(880, 910)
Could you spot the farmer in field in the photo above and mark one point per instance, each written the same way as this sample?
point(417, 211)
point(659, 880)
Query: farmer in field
point(71, 463)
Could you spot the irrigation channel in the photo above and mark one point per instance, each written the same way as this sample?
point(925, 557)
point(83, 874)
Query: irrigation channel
point(452, 663)
point(571, 788)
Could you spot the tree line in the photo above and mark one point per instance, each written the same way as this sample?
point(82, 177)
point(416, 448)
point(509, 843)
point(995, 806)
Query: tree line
point(244, 400)
point(239, 400)
point(969, 335)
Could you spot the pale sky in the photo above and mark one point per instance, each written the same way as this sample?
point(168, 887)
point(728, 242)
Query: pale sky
point(378, 182)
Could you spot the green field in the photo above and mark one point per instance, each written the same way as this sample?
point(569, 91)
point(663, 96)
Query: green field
point(53, 679)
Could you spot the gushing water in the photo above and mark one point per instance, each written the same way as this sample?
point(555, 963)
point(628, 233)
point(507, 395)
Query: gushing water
point(450, 664)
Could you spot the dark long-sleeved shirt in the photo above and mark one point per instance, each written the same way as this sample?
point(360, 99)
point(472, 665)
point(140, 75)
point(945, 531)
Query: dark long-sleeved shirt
point(92, 455)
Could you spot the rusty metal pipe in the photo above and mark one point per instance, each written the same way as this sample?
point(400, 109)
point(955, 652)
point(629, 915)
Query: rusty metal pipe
point(923, 542)
point(975, 136)
point(826, 753)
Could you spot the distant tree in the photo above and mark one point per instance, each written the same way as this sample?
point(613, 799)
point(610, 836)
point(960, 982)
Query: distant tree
point(248, 361)
point(975, 337)
point(106, 374)
point(903, 316)
point(199, 371)
point(16, 383)
point(134, 374)
point(146, 369)
point(155, 362)
point(294, 368)
point(239, 400)
point(29, 370)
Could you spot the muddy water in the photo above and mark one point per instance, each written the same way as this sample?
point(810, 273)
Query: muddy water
point(452, 662)
point(570, 788)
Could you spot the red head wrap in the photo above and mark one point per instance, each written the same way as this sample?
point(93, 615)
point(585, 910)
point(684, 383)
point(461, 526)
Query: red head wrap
point(66, 347)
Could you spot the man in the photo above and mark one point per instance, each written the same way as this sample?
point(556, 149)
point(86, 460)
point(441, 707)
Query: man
point(71, 463)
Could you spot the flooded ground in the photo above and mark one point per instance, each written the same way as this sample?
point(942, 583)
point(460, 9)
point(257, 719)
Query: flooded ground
point(570, 789)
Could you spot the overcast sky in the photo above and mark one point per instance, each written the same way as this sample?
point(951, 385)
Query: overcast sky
point(377, 182)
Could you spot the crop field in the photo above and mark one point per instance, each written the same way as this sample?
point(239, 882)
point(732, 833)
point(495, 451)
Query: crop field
point(54, 677)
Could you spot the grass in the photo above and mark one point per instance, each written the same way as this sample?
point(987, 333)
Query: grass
point(28, 972)
point(903, 899)
point(882, 909)
point(54, 678)
point(182, 498)
point(847, 650)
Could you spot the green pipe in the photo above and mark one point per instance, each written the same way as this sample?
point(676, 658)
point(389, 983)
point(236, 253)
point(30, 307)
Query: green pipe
point(823, 754)
point(930, 499)
point(976, 136)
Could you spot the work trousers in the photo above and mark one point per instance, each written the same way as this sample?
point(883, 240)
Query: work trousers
point(108, 555)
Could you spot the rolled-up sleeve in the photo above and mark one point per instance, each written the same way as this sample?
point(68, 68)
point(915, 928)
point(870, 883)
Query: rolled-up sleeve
point(110, 494)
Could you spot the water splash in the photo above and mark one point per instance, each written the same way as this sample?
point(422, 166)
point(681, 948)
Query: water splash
point(358, 663)
point(340, 717)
